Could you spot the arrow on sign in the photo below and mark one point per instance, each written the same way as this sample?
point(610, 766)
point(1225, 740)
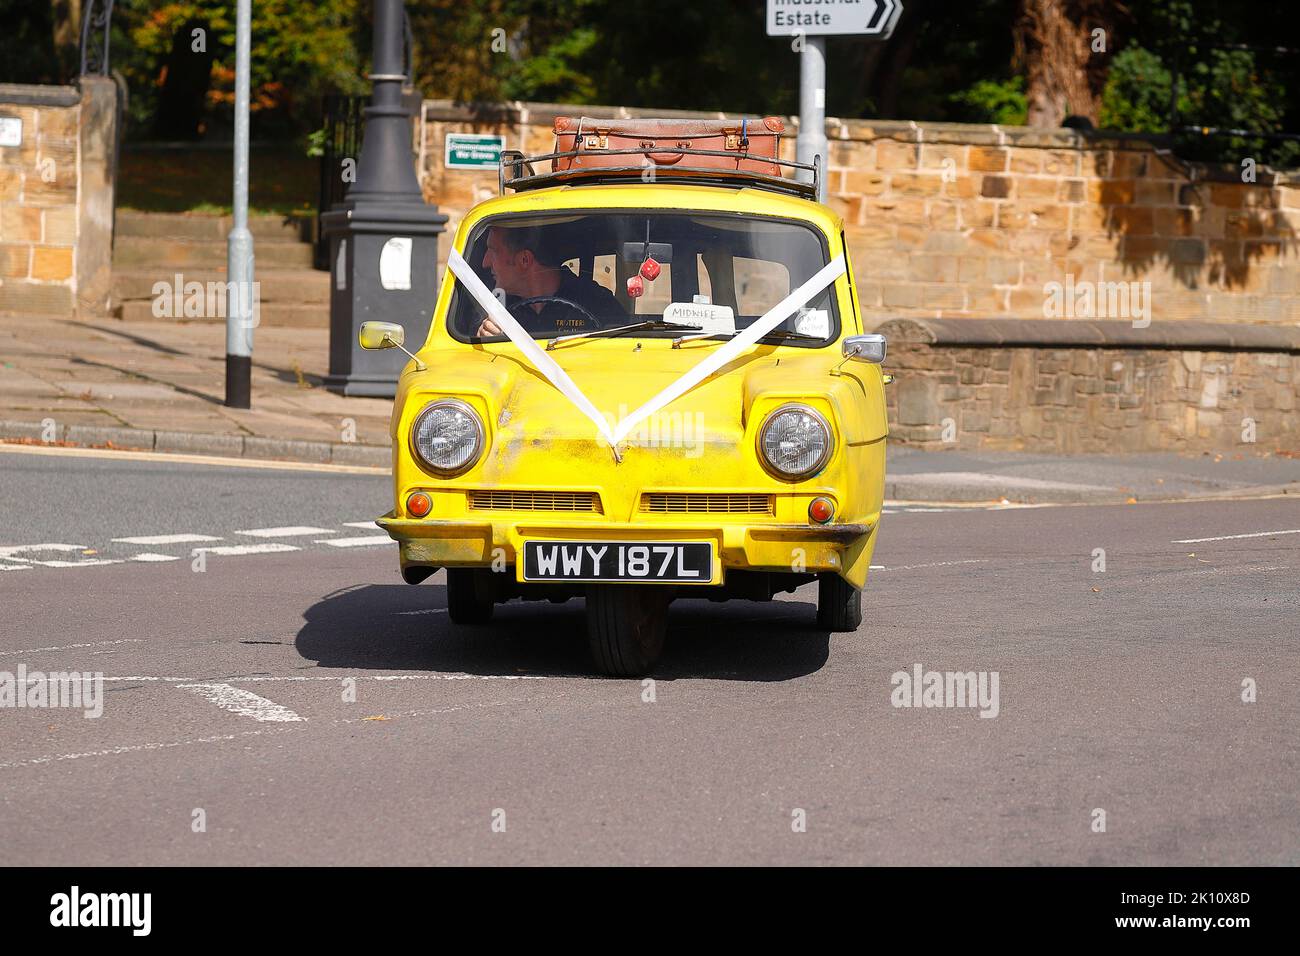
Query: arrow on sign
point(872, 18)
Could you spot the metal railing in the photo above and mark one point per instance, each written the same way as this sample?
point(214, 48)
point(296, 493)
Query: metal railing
point(344, 126)
point(95, 50)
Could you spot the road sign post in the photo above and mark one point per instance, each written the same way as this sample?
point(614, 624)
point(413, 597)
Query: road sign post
point(811, 23)
point(240, 301)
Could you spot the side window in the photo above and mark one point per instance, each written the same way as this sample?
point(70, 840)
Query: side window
point(706, 285)
point(604, 272)
point(759, 284)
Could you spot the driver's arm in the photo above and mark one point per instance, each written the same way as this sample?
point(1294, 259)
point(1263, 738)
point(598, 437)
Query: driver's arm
point(488, 327)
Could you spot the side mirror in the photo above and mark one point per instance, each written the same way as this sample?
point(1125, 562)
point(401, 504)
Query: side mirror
point(865, 348)
point(382, 335)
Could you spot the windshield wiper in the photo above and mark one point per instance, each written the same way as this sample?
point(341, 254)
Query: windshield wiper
point(647, 324)
point(778, 333)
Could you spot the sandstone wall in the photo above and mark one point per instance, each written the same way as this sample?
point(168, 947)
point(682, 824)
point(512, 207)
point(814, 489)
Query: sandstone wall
point(1093, 386)
point(56, 197)
point(975, 221)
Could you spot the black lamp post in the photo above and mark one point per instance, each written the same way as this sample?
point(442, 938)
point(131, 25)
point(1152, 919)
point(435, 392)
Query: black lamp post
point(383, 237)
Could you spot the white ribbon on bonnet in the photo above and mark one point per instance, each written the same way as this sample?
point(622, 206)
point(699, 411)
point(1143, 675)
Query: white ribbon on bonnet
point(715, 360)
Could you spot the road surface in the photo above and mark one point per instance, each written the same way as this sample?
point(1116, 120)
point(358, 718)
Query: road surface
point(285, 698)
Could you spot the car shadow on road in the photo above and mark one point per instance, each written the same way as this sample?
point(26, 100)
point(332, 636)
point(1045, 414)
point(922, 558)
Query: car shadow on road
point(404, 627)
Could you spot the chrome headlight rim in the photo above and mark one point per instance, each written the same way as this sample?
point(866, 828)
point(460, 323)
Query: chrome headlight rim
point(480, 437)
point(817, 466)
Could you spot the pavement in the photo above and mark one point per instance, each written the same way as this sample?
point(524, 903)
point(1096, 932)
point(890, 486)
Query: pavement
point(298, 704)
point(159, 386)
point(1026, 478)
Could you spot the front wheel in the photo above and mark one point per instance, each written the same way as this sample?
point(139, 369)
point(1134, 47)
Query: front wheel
point(839, 604)
point(466, 603)
point(626, 627)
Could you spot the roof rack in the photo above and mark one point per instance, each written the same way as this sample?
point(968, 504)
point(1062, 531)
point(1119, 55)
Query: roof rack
point(511, 173)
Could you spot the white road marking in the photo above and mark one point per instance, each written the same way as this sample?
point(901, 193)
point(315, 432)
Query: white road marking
point(137, 748)
point(1244, 569)
point(238, 550)
point(90, 563)
point(357, 542)
point(1234, 537)
point(934, 564)
point(370, 525)
point(15, 567)
point(265, 731)
point(290, 531)
point(242, 702)
point(69, 647)
point(150, 556)
point(165, 539)
point(12, 551)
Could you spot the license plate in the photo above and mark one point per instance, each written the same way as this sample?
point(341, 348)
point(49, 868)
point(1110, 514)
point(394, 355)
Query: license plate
point(672, 562)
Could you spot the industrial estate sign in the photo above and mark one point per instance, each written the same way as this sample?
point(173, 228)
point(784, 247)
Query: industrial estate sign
point(873, 18)
point(473, 151)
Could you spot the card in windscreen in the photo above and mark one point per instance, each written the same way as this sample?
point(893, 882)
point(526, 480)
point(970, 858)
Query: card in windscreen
point(702, 316)
point(662, 562)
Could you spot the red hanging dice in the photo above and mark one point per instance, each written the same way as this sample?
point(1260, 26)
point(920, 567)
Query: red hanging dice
point(635, 287)
point(650, 269)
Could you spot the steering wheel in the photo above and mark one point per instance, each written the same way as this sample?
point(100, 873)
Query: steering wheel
point(555, 298)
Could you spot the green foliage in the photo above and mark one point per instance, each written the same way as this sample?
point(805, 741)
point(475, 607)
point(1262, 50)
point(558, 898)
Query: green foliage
point(992, 101)
point(299, 52)
point(1136, 96)
point(1218, 89)
point(556, 72)
point(945, 62)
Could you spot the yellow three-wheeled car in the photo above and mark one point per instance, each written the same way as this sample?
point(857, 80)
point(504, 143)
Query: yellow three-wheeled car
point(635, 392)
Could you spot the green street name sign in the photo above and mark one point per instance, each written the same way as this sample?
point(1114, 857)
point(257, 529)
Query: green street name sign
point(473, 151)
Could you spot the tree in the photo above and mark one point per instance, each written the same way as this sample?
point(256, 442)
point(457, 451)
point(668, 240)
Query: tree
point(1056, 45)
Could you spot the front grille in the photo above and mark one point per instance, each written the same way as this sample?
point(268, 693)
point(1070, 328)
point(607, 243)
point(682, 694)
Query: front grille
point(665, 502)
point(534, 501)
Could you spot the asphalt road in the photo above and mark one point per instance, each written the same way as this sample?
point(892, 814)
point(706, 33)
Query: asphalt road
point(1118, 690)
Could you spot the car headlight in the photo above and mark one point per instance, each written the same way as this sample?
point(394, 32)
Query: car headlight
point(447, 437)
point(794, 442)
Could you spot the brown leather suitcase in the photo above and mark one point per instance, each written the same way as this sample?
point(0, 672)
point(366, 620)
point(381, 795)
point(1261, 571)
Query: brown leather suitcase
point(758, 141)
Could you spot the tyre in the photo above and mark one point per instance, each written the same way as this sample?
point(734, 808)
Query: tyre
point(626, 627)
point(465, 604)
point(839, 604)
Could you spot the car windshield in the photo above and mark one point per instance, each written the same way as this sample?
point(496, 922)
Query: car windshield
point(645, 273)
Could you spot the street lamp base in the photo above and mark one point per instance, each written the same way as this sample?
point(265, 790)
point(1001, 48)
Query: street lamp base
point(360, 386)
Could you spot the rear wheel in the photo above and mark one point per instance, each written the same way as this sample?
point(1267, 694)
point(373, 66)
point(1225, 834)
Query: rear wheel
point(839, 604)
point(626, 627)
point(466, 602)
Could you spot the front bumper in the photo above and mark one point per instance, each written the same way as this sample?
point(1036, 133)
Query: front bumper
point(471, 542)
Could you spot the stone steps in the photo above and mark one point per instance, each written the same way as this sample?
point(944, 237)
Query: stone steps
point(274, 314)
point(199, 226)
point(183, 248)
point(134, 252)
point(289, 286)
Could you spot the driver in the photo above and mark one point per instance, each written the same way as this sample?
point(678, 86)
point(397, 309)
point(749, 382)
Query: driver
point(523, 266)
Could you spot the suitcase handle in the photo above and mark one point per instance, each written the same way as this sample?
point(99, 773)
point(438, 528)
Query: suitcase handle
point(666, 159)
